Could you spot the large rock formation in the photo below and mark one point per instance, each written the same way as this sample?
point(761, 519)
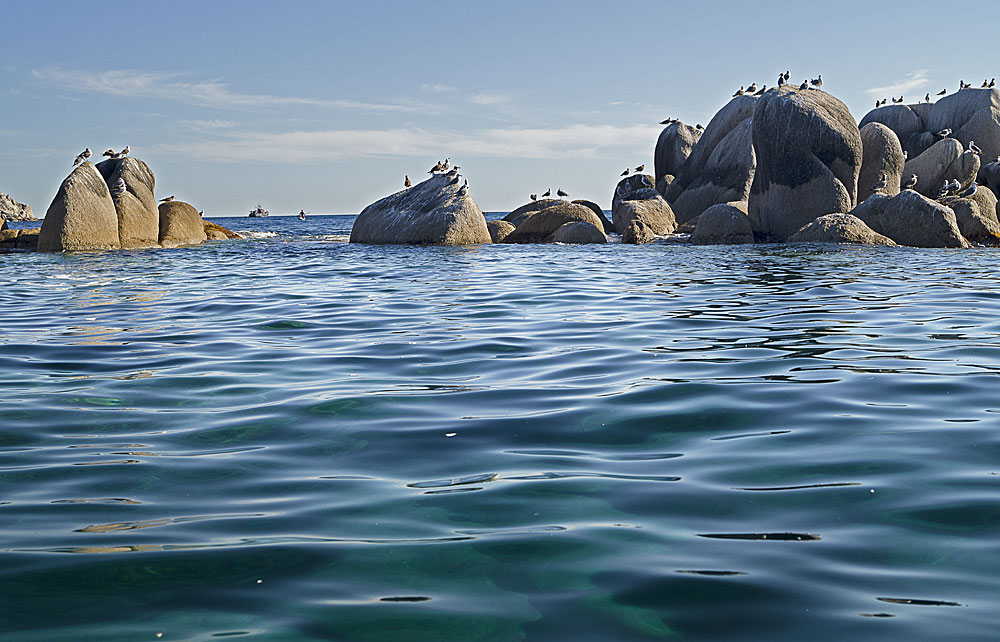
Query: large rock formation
point(809, 155)
point(839, 228)
point(180, 224)
point(138, 218)
point(642, 216)
point(11, 210)
point(673, 147)
point(538, 227)
point(438, 211)
point(723, 224)
point(976, 224)
point(943, 161)
point(912, 219)
point(82, 215)
point(905, 122)
point(721, 166)
point(972, 115)
point(881, 155)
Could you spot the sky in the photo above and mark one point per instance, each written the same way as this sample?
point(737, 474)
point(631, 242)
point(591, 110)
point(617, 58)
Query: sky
point(326, 105)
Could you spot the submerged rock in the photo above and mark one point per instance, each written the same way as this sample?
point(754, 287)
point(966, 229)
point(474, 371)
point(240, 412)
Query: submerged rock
point(438, 211)
point(180, 224)
point(808, 160)
point(82, 215)
point(216, 232)
point(723, 224)
point(839, 228)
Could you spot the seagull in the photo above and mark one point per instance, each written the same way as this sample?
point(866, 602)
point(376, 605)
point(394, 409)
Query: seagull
point(739, 92)
point(944, 191)
point(942, 92)
point(761, 91)
point(453, 181)
point(638, 170)
point(561, 193)
point(897, 101)
point(752, 88)
point(804, 85)
point(445, 166)
point(944, 133)
point(125, 151)
point(666, 121)
point(110, 153)
point(993, 83)
point(167, 199)
point(436, 168)
point(927, 98)
point(985, 84)
point(786, 75)
point(781, 80)
point(962, 85)
point(969, 191)
point(548, 192)
point(906, 154)
point(817, 82)
point(698, 126)
point(881, 181)
point(625, 173)
point(84, 155)
point(406, 181)
point(911, 183)
point(974, 148)
point(534, 197)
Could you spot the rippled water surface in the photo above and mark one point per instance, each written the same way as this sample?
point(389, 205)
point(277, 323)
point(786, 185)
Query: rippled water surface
point(294, 438)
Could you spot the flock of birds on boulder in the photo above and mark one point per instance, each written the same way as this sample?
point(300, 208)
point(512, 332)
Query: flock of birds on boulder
point(752, 90)
point(987, 84)
point(85, 154)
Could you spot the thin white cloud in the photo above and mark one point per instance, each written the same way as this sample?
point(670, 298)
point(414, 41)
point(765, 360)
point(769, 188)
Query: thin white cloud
point(216, 123)
point(914, 80)
point(573, 141)
point(489, 99)
point(129, 83)
point(435, 88)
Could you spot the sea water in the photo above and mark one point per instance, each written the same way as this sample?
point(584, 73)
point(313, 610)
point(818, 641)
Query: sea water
point(295, 438)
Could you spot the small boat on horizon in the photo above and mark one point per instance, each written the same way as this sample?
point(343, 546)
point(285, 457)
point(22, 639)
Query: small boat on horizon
point(260, 212)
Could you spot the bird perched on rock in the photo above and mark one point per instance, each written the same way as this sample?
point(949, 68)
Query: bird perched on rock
point(942, 92)
point(993, 83)
point(638, 170)
point(760, 92)
point(906, 154)
point(752, 88)
point(804, 85)
point(945, 190)
point(739, 92)
point(534, 197)
point(817, 82)
point(974, 148)
point(698, 126)
point(119, 187)
point(786, 75)
point(124, 152)
point(547, 193)
point(167, 199)
point(911, 182)
point(963, 85)
point(406, 181)
point(969, 191)
point(435, 169)
point(625, 173)
point(84, 155)
point(560, 193)
point(927, 98)
point(897, 101)
point(984, 85)
point(944, 133)
point(781, 80)
point(883, 178)
point(110, 153)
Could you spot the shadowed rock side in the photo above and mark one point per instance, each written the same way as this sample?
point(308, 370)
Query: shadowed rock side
point(905, 123)
point(138, 218)
point(180, 224)
point(499, 230)
point(437, 211)
point(725, 177)
point(519, 215)
point(986, 200)
point(732, 115)
point(881, 154)
point(537, 227)
point(577, 232)
point(943, 161)
point(596, 209)
point(839, 228)
point(723, 224)
point(977, 225)
point(808, 159)
point(673, 147)
point(629, 185)
point(911, 219)
point(11, 210)
point(82, 215)
point(971, 114)
point(642, 216)
point(989, 176)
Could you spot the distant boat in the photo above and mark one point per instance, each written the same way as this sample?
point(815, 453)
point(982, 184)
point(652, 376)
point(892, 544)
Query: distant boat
point(260, 212)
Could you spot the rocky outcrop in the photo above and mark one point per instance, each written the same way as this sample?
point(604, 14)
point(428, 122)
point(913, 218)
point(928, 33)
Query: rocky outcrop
point(725, 176)
point(596, 209)
point(82, 215)
point(642, 216)
point(180, 224)
point(972, 115)
point(519, 215)
point(537, 228)
point(839, 228)
point(499, 230)
point(881, 155)
point(438, 211)
point(629, 185)
point(215, 232)
point(943, 161)
point(976, 225)
point(11, 210)
point(577, 232)
point(673, 147)
point(138, 218)
point(723, 224)
point(905, 122)
point(989, 175)
point(987, 201)
point(23, 239)
point(809, 155)
point(911, 219)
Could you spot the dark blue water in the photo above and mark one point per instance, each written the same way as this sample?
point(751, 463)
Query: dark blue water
point(294, 438)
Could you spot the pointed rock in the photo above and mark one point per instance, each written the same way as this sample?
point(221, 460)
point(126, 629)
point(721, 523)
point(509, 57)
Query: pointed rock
point(82, 215)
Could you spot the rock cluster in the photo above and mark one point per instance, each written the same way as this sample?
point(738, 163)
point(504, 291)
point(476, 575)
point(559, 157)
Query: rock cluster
point(11, 210)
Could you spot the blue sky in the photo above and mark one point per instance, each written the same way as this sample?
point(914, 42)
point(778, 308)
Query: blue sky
point(324, 106)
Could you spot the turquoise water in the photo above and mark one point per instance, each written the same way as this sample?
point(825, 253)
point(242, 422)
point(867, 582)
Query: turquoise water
point(294, 438)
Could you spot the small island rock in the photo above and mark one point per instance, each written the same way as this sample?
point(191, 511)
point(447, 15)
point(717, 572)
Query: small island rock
point(839, 228)
point(82, 215)
point(180, 224)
